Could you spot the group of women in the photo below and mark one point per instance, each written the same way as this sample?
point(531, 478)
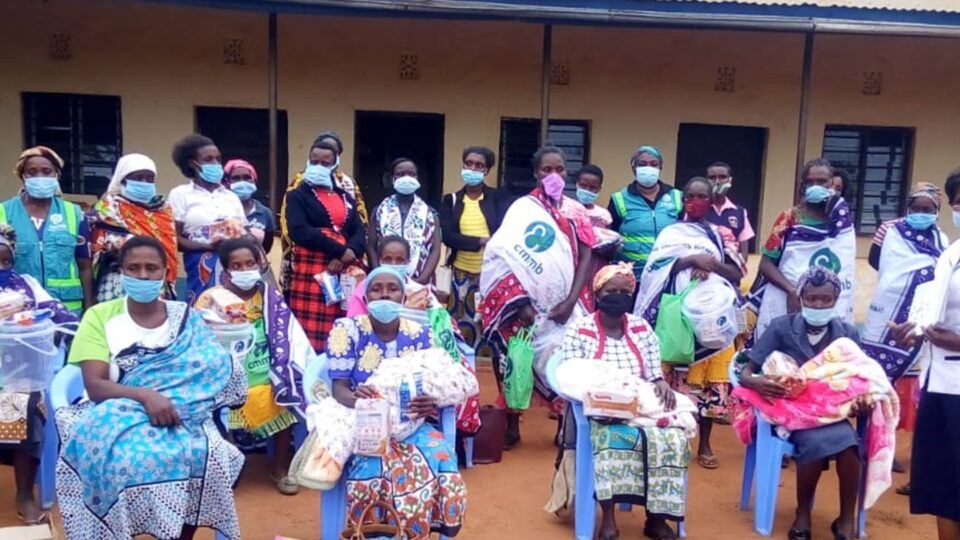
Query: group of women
point(156, 379)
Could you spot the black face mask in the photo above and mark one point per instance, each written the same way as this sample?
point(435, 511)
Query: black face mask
point(615, 304)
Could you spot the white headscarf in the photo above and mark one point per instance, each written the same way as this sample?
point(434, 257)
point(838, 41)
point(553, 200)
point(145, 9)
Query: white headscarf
point(127, 164)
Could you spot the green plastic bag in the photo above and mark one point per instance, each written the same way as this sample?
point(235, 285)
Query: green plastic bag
point(443, 334)
point(518, 370)
point(673, 329)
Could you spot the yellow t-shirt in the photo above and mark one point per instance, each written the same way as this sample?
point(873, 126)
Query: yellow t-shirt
point(472, 223)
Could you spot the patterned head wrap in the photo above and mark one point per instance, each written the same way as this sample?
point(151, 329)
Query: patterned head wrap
point(8, 237)
point(927, 190)
point(647, 149)
point(380, 270)
point(818, 276)
point(605, 274)
point(41, 151)
point(234, 163)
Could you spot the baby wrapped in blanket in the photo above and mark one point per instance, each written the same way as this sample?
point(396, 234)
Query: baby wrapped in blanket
point(333, 438)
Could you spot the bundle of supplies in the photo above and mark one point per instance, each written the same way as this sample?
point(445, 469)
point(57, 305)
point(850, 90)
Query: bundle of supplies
point(350, 279)
point(783, 369)
point(12, 302)
point(606, 238)
point(330, 287)
point(225, 230)
point(222, 306)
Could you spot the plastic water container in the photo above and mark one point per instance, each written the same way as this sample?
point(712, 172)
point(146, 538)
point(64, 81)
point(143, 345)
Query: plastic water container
point(712, 310)
point(28, 356)
point(236, 338)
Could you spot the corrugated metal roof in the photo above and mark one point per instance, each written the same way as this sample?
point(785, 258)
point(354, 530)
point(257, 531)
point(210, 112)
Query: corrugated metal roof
point(941, 6)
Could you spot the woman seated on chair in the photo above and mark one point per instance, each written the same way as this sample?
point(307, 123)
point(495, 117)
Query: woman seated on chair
point(275, 363)
point(23, 431)
point(144, 456)
point(419, 475)
point(622, 471)
point(802, 336)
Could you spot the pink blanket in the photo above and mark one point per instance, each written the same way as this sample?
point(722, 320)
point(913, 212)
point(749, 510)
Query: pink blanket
point(834, 380)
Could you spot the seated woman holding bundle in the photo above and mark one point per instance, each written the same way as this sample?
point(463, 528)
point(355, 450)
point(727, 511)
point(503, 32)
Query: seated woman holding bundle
point(622, 471)
point(803, 336)
point(419, 474)
point(144, 456)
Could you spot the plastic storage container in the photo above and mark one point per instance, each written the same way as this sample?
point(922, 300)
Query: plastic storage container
point(712, 310)
point(236, 338)
point(28, 355)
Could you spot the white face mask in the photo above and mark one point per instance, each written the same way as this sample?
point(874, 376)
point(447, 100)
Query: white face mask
point(956, 219)
point(245, 279)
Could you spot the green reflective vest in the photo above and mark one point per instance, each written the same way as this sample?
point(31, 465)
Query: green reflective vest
point(640, 224)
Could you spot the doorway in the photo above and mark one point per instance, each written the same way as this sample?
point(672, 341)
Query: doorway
point(382, 137)
point(245, 133)
point(741, 147)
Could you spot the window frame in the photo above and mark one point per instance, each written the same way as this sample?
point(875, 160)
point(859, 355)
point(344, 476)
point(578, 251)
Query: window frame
point(586, 124)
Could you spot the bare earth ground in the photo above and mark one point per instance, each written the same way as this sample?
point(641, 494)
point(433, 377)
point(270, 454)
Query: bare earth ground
point(506, 499)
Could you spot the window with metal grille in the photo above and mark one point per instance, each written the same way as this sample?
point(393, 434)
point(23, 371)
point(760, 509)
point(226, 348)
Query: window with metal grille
point(876, 161)
point(84, 129)
point(520, 138)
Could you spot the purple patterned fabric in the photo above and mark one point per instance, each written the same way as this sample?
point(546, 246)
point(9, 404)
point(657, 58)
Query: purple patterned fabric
point(285, 375)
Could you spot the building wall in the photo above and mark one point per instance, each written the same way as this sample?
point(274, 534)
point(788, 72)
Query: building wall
point(635, 85)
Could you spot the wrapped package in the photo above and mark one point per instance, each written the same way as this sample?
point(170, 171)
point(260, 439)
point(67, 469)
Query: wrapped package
point(419, 299)
point(619, 403)
point(349, 281)
point(330, 287)
point(11, 302)
point(225, 230)
point(606, 238)
point(372, 427)
point(319, 461)
point(225, 306)
point(783, 369)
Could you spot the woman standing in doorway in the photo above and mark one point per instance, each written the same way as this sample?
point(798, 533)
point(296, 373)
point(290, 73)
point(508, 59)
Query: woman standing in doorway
point(52, 234)
point(406, 215)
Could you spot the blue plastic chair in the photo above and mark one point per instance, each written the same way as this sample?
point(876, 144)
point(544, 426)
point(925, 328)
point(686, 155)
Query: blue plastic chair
point(585, 509)
point(46, 473)
point(67, 389)
point(333, 503)
point(762, 465)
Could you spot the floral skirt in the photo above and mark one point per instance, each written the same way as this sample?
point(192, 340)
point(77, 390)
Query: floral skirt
point(641, 466)
point(706, 382)
point(418, 476)
point(463, 308)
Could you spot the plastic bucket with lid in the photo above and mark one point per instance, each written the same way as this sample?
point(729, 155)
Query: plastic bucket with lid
point(236, 338)
point(28, 355)
point(712, 310)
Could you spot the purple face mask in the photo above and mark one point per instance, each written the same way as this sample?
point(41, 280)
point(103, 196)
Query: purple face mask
point(553, 185)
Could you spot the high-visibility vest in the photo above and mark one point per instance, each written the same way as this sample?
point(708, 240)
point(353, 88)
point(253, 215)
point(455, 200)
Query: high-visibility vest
point(640, 224)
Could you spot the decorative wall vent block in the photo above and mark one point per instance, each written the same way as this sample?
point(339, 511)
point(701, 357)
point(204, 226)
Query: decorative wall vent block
point(726, 80)
point(560, 74)
point(60, 46)
point(409, 66)
point(233, 52)
point(872, 83)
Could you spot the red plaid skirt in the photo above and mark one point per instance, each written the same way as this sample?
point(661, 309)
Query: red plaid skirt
point(306, 298)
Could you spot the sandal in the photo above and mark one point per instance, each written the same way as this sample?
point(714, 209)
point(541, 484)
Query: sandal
point(904, 489)
point(42, 519)
point(286, 485)
point(835, 529)
point(707, 462)
point(799, 534)
point(658, 530)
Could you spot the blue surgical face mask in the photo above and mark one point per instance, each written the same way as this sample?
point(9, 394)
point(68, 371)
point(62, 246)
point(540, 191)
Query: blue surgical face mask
point(817, 317)
point(139, 191)
point(211, 173)
point(956, 219)
point(921, 221)
point(586, 196)
point(471, 178)
point(398, 268)
point(243, 189)
point(816, 194)
point(646, 176)
point(41, 187)
point(142, 291)
point(385, 311)
point(318, 175)
point(406, 185)
point(245, 279)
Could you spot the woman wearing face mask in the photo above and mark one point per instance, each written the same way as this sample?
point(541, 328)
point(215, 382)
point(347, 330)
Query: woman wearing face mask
point(241, 178)
point(52, 234)
point(130, 207)
point(155, 376)
point(355, 349)
point(802, 336)
point(534, 271)
point(694, 249)
point(326, 235)
point(205, 212)
point(24, 432)
point(340, 179)
point(406, 215)
point(644, 208)
point(724, 212)
point(817, 231)
point(274, 366)
point(394, 252)
point(613, 334)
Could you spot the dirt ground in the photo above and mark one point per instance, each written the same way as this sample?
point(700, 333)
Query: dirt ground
point(506, 499)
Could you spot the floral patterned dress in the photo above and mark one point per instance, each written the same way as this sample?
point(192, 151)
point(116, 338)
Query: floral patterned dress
point(419, 475)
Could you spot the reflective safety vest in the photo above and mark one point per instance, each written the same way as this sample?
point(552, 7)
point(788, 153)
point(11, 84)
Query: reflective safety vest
point(640, 224)
point(49, 254)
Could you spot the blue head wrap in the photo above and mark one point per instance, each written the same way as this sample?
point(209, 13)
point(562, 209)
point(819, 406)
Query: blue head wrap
point(647, 149)
point(380, 270)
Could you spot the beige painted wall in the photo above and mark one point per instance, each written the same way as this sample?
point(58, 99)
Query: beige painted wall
point(634, 85)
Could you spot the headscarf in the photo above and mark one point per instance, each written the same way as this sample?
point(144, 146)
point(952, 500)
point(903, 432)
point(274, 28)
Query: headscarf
point(8, 237)
point(127, 165)
point(41, 151)
point(818, 276)
point(647, 149)
point(234, 163)
point(621, 269)
point(379, 271)
point(927, 190)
